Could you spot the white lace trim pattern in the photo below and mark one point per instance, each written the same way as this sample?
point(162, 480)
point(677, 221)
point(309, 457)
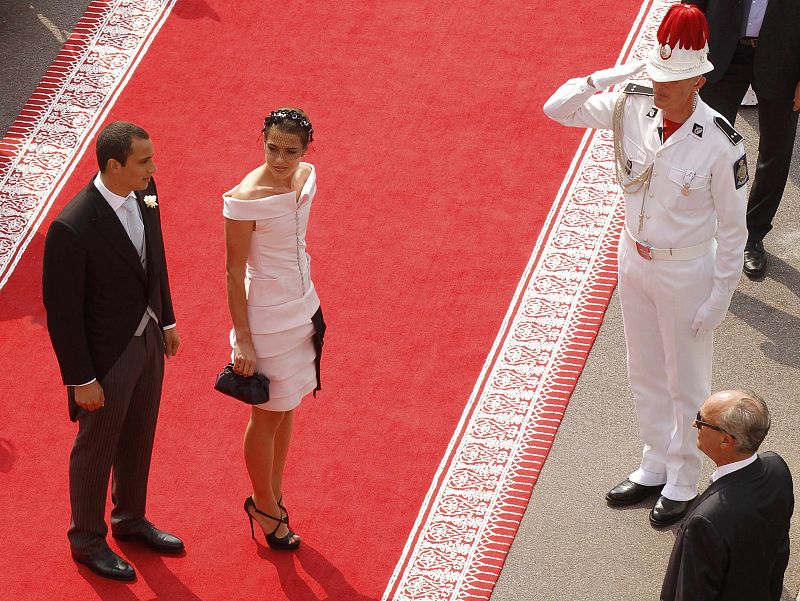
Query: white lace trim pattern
point(62, 115)
point(479, 494)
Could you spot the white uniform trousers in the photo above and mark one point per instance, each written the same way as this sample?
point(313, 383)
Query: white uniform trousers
point(668, 367)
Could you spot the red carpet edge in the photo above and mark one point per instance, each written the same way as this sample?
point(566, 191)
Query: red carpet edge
point(73, 97)
point(485, 480)
point(481, 489)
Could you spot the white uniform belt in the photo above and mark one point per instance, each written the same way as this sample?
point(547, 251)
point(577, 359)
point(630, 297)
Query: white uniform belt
point(671, 254)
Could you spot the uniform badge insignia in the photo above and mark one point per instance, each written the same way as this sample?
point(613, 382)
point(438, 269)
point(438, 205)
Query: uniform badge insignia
point(652, 112)
point(734, 136)
point(740, 174)
point(665, 51)
point(635, 88)
point(697, 130)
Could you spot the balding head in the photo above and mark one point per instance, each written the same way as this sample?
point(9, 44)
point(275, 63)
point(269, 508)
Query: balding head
point(741, 414)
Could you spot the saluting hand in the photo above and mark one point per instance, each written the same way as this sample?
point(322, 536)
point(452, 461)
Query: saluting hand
point(605, 78)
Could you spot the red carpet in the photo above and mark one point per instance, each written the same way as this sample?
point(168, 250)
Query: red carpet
point(437, 171)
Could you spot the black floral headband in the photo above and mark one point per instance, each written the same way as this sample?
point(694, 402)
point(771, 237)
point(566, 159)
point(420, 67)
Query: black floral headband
point(276, 117)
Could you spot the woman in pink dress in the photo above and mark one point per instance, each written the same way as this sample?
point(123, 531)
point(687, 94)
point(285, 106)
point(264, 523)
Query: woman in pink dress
point(277, 320)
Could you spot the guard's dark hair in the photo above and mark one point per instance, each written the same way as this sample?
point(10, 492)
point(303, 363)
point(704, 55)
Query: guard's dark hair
point(116, 142)
point(290, 120)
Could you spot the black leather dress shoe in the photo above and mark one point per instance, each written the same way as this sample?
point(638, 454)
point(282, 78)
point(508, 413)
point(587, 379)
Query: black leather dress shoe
point(107, 564)
point(630, 493)
point(755, 260)
point(666, 511)
point(144, 532)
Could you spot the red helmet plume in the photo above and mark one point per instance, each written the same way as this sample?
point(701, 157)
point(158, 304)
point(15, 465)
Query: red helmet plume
point(684, 26)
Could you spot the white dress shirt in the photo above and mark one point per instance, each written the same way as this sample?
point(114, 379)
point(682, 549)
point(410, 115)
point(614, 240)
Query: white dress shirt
point(729, 468)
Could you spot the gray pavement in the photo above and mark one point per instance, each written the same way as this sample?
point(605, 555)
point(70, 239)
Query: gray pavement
point(31, 34)
point(570, 545)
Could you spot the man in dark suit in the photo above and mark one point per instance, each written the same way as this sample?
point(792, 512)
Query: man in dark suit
point(734, 543)
point(757, 42)
point(110, 318)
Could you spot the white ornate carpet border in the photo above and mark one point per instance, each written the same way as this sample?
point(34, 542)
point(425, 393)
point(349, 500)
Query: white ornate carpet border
point(474, 506)
point(61, 116)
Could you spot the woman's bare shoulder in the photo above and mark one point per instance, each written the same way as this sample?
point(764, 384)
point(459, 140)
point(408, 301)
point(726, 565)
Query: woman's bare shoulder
point(248, 188)
point(251, 188)
point(301, 176)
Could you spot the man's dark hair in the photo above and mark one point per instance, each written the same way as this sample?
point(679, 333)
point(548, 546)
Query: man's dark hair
point(116, 142)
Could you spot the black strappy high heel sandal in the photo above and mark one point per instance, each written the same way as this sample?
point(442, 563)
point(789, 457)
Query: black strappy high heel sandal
point(284, 543)
point(283, 509)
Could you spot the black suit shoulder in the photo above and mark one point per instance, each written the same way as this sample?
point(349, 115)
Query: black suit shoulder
point(751, 505)
point(778, 470)
point(79, 211)
point(769, 470)
point(734, 544)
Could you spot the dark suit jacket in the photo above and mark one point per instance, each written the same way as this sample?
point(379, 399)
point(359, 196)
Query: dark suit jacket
point(734, 543)
point(776, 69)
point(95, 290)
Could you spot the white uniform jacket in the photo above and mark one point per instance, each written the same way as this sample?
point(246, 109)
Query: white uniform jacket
point(697, 190)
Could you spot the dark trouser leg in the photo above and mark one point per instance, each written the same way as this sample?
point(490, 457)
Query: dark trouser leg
point(95, 448)
point(132, 461)
point(777, 124)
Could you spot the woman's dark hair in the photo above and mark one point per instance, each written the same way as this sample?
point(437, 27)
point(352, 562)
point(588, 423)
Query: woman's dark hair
point(290, 120)
point(116, 142)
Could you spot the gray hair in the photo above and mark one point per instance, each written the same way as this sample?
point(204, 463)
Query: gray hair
point(747, 419)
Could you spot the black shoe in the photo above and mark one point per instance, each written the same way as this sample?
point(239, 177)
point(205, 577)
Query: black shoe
point(755, 260)
point(666, 511)
point(107, 564)
point(159, 541)
point(630, 493)
point(287, 542)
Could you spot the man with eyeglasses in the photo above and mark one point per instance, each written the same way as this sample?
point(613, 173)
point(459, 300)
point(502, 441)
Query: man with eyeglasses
point(734, 542)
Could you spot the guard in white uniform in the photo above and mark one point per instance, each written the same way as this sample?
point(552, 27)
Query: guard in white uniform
point(683, 171)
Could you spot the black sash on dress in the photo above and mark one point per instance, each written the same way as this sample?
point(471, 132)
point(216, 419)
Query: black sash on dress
point(319, 339)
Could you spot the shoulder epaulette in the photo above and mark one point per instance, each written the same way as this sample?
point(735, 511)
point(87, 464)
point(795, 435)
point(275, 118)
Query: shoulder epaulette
point(635, 88)
point(734, 136)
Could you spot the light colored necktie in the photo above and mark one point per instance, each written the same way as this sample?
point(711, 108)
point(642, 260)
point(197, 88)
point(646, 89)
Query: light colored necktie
point(135, 227)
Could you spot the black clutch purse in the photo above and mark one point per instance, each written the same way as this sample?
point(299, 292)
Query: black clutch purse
point(253, 390)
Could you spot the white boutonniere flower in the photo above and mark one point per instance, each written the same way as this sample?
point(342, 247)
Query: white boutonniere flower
point(151, 201)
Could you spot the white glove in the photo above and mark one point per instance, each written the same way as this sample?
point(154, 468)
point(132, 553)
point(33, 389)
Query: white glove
point(708, 317)
point(600, 80)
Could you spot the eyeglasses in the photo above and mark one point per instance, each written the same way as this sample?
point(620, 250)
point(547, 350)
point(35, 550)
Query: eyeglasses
point(699, 423)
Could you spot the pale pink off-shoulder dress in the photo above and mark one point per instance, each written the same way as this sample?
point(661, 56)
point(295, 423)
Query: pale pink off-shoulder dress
point(280, 294)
